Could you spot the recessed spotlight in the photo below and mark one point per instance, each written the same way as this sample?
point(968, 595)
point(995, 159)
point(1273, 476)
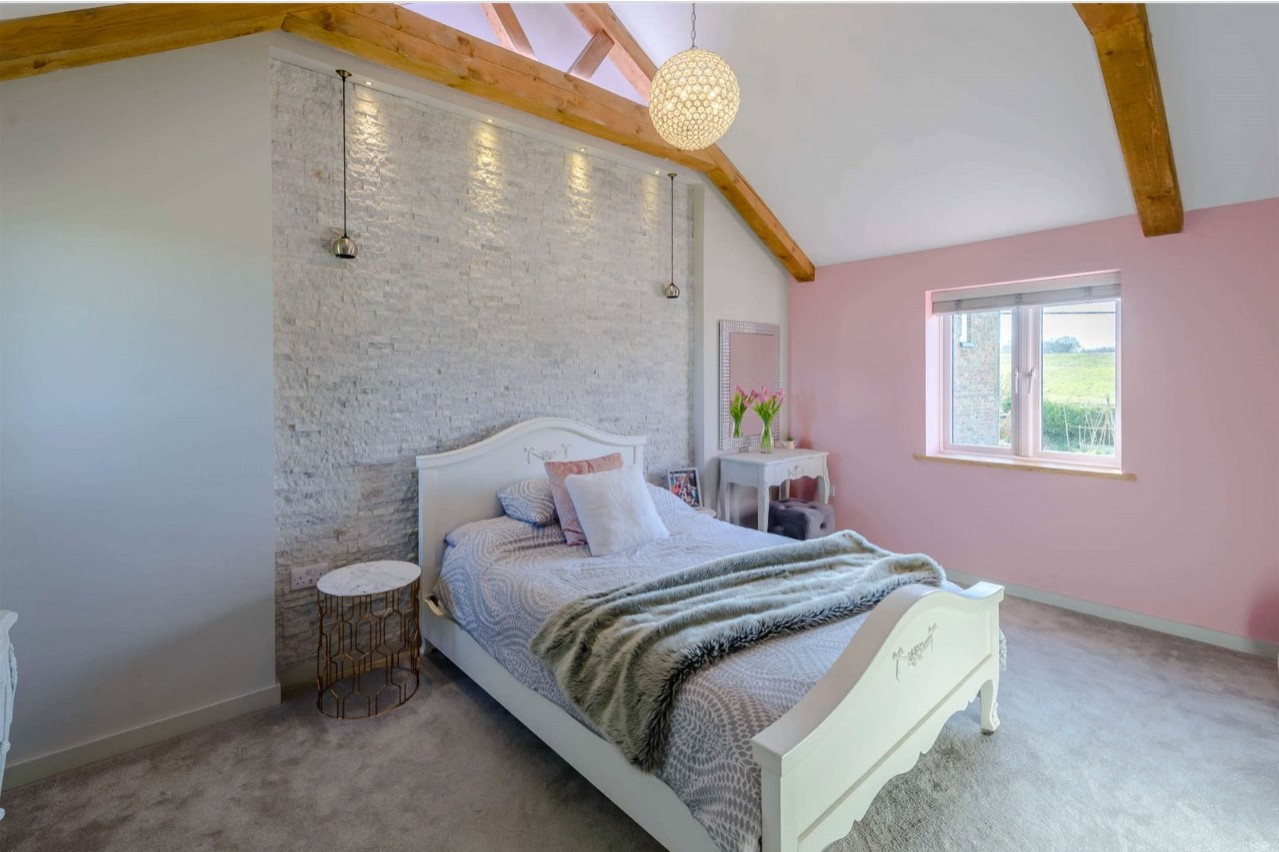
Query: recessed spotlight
point(489, 120)
point(582, 150)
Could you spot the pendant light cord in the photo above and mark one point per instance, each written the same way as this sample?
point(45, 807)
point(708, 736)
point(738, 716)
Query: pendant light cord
point(672, 177)
point(343, 155)
point(694, 25)
point(344, 75)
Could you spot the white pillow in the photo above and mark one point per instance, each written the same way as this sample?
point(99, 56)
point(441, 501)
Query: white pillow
point(616, 510)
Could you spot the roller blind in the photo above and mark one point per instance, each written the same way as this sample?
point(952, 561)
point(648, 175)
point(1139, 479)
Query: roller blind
point(1066, 290)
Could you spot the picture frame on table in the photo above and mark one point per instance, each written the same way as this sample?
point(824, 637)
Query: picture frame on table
point(685, 484)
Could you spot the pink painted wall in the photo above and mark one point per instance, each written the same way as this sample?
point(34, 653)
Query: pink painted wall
point(1194, 539)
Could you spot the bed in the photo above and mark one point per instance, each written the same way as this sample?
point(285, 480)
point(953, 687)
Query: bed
point(888, 680)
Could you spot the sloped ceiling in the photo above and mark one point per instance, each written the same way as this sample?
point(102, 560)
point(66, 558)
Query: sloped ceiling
point(879, 129)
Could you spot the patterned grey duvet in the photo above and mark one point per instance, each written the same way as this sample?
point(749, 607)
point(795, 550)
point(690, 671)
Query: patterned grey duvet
point(501, 579)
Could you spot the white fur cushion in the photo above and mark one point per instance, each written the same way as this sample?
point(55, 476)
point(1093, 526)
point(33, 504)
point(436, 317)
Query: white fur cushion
point(615, 509)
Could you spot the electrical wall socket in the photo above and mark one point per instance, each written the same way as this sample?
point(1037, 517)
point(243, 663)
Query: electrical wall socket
point(307, 576)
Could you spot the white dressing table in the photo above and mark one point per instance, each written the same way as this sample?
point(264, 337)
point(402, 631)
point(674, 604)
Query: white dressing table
point(761, 471)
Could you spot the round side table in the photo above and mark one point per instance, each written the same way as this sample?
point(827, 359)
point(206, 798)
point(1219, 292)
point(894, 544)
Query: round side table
point(367, 661)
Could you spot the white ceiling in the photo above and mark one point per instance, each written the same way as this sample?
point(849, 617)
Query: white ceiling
point(25, 10)
point(876, 129)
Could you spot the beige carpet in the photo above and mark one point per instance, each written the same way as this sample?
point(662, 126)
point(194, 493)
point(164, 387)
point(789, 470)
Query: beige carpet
point(1112, 738)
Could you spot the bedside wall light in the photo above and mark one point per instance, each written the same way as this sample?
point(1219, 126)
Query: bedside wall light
point(344, 247)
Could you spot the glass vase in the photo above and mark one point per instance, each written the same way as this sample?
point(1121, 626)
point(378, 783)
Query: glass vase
point(766, 438)
point(737, 427)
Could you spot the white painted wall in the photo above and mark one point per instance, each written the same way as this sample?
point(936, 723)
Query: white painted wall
point(739, 279)
point(136, 497)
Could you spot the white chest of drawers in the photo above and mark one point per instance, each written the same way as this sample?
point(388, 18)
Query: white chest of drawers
point(761, 471)
point(8, 682)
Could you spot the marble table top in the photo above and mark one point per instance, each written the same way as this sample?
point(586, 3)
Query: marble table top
point(368, 578)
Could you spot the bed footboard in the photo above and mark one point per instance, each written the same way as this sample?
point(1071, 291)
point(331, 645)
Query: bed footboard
point(922, 655)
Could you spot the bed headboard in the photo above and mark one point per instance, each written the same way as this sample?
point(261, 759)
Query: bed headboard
point(461, 485)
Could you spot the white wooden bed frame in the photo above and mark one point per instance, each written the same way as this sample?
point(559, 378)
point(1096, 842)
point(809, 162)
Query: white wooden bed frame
point(921, 656)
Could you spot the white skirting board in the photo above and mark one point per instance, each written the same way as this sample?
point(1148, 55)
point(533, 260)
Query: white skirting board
point(1125, 616)
point(35, 768)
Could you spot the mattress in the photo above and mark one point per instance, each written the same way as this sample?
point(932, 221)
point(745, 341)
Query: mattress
point(502, 578)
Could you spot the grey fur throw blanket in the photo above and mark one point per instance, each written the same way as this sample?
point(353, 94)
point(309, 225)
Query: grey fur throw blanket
point(622, 655)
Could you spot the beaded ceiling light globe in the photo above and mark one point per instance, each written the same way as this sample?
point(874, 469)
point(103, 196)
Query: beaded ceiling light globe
point(694, 98)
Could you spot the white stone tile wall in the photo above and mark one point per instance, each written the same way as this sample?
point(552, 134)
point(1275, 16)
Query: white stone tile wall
point(499, 277)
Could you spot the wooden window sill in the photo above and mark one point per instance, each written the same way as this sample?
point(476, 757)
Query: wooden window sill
point(1027, 465)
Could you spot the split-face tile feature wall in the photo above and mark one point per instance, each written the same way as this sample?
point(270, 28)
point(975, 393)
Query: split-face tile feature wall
point(499, 277)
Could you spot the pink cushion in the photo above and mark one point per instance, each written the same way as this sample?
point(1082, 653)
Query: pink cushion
point(557, 472)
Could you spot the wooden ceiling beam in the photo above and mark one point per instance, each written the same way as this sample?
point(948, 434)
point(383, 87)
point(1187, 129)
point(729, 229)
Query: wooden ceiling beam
point(592, 56)
point(627, 55)
point(506, 26)
point(44, 43)
point(398, 38)
point(746, 201)
point(1127, 56)
point(599, 18)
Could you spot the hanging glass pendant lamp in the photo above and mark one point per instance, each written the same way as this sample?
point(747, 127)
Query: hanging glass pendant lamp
point(672, 289)
point(344, 247)
point(694, 97)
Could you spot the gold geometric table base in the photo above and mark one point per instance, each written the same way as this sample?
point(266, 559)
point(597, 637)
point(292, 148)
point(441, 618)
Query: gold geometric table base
point(368, 658)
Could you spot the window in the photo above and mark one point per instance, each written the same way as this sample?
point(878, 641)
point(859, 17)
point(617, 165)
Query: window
point(1030, 370)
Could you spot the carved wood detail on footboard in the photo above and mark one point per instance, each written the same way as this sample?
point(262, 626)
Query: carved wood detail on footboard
point(922, 655)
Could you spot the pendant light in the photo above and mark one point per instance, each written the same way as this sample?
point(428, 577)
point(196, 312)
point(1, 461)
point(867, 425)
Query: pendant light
point(694, 97)
point(344, 247)
point(672, 289)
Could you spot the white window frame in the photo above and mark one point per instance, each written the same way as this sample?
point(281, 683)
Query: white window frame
point(945, 329)
point(1026, 427)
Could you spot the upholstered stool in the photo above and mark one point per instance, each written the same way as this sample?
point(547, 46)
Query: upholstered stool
point(802, 519)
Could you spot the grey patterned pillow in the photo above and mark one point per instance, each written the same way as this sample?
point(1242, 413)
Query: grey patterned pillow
point(529, 501)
